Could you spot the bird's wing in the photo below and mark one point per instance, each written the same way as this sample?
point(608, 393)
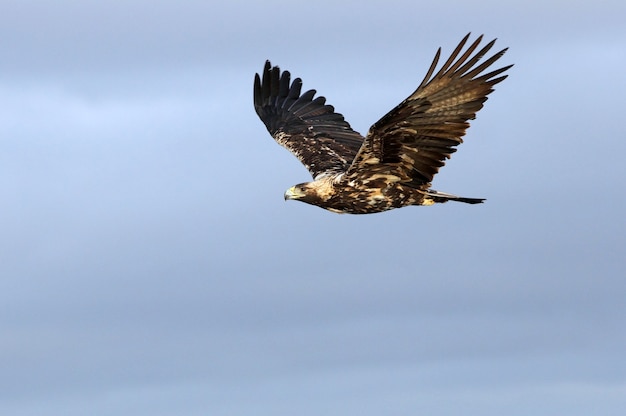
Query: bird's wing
point(412, 141)
point(306, 126)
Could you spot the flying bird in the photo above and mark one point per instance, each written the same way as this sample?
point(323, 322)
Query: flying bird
point(394, 165)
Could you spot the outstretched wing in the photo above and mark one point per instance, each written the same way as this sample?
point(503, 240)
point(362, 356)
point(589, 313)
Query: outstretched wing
point(306, 126)
point(412, 141)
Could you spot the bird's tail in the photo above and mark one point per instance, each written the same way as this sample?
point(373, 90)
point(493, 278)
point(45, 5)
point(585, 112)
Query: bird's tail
point(442, 197)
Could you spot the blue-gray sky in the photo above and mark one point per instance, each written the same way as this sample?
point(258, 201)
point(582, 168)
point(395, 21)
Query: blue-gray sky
point(149, 265)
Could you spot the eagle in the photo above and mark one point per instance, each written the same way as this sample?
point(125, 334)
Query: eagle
point(394, 165)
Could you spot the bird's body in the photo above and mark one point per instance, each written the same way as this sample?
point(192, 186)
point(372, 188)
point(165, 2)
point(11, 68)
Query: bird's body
point(365, 196)
point(393, 166)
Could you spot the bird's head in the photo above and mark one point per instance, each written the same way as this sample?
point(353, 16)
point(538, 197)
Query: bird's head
point(297, 192)
point(315, 192)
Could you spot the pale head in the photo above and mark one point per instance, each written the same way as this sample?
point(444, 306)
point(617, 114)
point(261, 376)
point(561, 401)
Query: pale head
point(314, 192)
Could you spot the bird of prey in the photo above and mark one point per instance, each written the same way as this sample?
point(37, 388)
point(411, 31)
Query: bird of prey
point(394, 165)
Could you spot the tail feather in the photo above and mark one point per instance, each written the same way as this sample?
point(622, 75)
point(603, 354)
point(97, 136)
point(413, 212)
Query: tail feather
point(442, 197)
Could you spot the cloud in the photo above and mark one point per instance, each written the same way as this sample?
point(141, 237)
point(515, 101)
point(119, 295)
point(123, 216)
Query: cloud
point(149, 262)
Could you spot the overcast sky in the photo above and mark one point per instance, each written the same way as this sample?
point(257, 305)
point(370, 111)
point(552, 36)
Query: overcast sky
point(149, 265)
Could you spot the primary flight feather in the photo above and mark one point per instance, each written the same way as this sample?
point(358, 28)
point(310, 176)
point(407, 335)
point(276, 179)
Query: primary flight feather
point(394, 165)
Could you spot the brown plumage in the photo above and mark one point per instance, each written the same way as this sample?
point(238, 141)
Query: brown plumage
point(394, 165)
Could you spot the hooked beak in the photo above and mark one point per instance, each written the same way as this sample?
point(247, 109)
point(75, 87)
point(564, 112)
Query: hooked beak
point(293, 193)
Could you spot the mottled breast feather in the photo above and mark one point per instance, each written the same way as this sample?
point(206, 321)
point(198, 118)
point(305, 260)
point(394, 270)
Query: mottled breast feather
point(414, 139)
point(304, 124)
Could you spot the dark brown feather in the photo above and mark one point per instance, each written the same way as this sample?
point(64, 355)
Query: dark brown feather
point(306, 126)
point(414, 139)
